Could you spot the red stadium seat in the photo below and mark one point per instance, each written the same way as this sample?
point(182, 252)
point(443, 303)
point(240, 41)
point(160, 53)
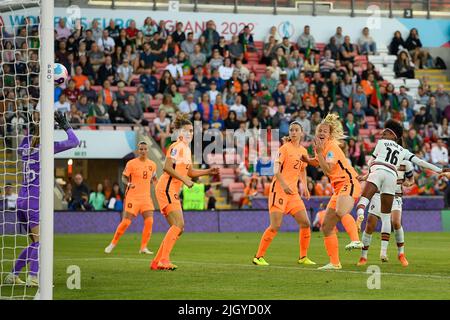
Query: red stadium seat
point(364, 132)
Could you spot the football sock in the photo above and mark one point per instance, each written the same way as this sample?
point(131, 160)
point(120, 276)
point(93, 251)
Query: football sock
point(361, 206)
point(34, 259)
point(400, 238)
point(169, 241)
point(385, 232)
point(350, 226)
point(366, 239)
point(304, 239)
point(146, 232)
point(121, 228)
point(266, 239)
point(332, 246)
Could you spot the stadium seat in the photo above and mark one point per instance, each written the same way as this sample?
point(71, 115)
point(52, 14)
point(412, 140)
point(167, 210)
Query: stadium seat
point(364, 132)
point(214, 159)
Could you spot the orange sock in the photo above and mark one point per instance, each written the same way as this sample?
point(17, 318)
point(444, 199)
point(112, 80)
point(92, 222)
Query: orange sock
point(350, 226)
point(304, 238)
point(332, 246)
point(169, 241)
point(266, 239)
point(121, 228)
point(146, 232)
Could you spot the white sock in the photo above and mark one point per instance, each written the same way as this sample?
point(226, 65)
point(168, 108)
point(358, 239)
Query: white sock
point(366, 240)
point(361, 206)
point(385, 232)
point(400, 238)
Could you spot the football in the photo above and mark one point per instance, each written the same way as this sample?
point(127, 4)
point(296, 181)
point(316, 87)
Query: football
point(60, 74)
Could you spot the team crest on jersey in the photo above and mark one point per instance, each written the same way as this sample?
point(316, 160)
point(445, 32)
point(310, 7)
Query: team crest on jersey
point(330, 155)
point(173, 153)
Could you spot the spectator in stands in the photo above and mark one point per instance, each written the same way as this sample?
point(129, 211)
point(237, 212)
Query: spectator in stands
point(88, 69)
point(62, 30)
point(162, 128)
point(100, 111)
point(351, 128)
point(439, 154)
point(403, 66)
point(75, 116)
point(356, 153)
point(149, 28)
point(239, 109)
point(333, 48)
point(305, 122)
point(204, 47)
point(250, 192)
point(108, 95)
point(414, 45)
point(236, 49)
point(125, 72)
point(306, 42)
point(197, 58)
point(323, 188)
point(116, 113)
point(188, 45)
point(107, 72)
point(71, 92)
point(397, 44)
point(188, 105)
point(149, 81)
point(311, 66)
point(366, 43)
point(359, 114)
point(216, 60)
point(165, 82)
point(89, 92)
point(348, 51)
point(116, 199)
point(361, 97)
point(106, 43)
point(244, 73)
point(413, 141)
point(226, 71)
point(433, 111)
point(60, 55)
point(269, 50)
point(113, 29)
point(211, 35)
point(146, 58)
point(122, 41)
point(278, 95)
point(121, 95)
point(96, 57)
point(444, 131)
point(327, 64)
point(97, 199)
point(80, 194)
point(83, 105)
point(403, 94)
point(79, 78)
point(339, 37)
point(311, 95)
point(273, 32)
point(62, 104)
point(442, 97)
point(222, 107)
point(168, 106)
point(206, 107)
point(246, 39)
point(216, 123)
point(133, 113)
point(178, 35)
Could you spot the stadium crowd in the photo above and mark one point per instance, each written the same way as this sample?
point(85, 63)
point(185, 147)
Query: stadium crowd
point(144, 75)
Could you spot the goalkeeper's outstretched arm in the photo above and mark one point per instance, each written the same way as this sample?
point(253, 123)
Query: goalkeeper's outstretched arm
point(72, 140)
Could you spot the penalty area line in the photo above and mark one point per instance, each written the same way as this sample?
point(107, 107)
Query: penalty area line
point(412, 275)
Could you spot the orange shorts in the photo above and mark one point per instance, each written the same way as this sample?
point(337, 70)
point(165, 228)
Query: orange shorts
point(345, 188)
point(168, 201)
point(135, 206)
point(279, 201)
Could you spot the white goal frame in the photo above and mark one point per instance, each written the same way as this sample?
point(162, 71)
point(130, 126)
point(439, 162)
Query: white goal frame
point(46, 157)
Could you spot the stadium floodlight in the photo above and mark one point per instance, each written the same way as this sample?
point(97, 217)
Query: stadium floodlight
point(32, 84)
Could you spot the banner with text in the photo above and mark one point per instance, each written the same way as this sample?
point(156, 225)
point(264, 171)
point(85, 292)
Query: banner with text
point(99, 144)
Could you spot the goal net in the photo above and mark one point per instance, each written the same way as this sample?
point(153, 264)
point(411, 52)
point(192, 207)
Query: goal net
point(21, 155)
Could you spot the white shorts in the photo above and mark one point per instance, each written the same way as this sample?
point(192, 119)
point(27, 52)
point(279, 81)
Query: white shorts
point(375, 205)
point(386, 181)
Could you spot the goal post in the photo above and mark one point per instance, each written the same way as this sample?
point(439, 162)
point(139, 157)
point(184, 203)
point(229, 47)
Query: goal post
point(26, 80)
point(47, 152)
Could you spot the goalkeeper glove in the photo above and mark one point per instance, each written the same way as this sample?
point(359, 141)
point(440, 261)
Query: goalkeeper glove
point(62, 121)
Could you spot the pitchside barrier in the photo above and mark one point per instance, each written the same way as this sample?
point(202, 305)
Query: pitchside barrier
point(424, 214)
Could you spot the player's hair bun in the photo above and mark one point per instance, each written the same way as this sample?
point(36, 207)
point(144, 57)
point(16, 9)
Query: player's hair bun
point(181, 120)
point(336, 130)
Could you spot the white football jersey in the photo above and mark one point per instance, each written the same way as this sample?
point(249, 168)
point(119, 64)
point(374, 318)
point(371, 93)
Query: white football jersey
point(388, 155)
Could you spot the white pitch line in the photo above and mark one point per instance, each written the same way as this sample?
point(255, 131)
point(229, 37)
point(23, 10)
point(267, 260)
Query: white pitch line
point(413, 275)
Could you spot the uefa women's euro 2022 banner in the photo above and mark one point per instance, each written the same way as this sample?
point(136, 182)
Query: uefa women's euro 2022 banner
point(433, 32)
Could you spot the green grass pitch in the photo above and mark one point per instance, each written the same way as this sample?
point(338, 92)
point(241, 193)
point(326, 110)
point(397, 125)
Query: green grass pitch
point(218, 266)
